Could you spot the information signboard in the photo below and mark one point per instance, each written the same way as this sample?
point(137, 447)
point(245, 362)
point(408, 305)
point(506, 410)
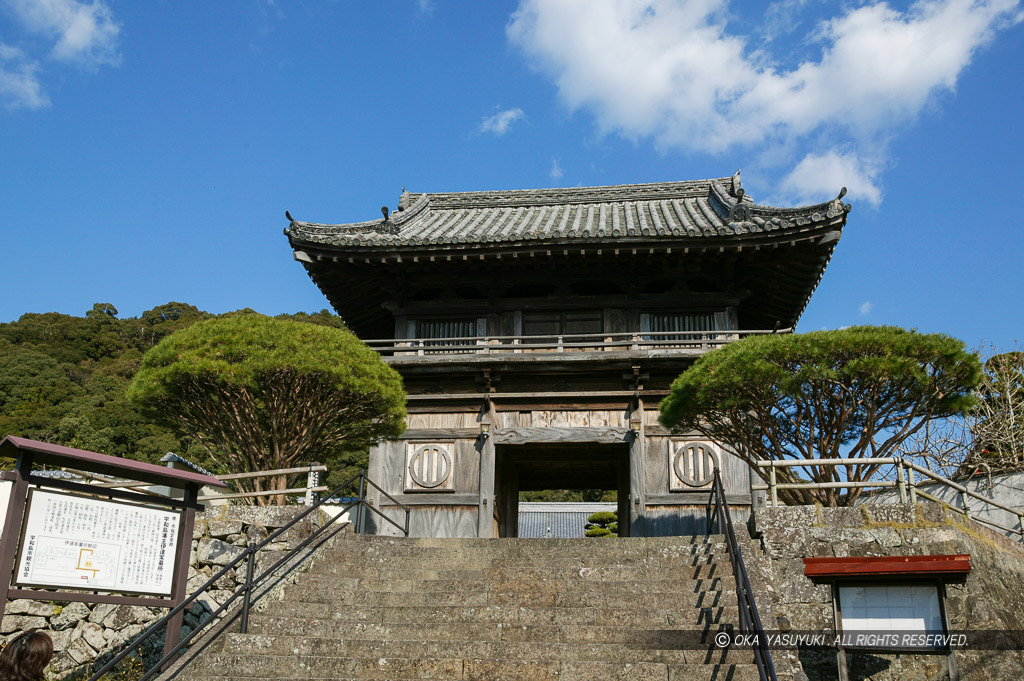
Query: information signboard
point(83, 542)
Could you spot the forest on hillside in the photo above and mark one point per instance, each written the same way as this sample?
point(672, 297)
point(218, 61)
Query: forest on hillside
point(63, 380)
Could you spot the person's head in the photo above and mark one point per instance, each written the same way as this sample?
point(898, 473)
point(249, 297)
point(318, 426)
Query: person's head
point(25, 658)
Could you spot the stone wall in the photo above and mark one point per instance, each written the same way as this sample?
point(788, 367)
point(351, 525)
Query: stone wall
point(84, 633)
point(990, 600)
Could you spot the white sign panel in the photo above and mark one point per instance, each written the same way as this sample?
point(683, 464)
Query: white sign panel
point(903, 608)
point(5, 496)
point(95, 544)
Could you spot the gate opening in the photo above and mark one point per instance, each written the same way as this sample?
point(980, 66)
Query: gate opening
point(558, 466)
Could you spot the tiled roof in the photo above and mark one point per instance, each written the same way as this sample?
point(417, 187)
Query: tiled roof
point(664, 210)
point(562, 520)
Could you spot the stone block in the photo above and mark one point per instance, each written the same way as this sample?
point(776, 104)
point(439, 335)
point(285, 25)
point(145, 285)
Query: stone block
point(768, 519)
point(256, 533)
point(92, 633)
point(61, 639)
point(199, 529)
point(24, 606)
point(886, 537)
point(80, 651)
point(60, 663)
point(69, 616)
point(268, 516)
point(15, 623)
point(219, 528)
point(900, 514)
point(217, 552)
point(851, 516)
point(126, 615)
point(101, 611)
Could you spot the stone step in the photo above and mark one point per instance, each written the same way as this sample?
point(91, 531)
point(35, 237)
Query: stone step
point(618, 594)
point(600, 552)
point(608, 582)
point(586, 543)
point(709, 620)
point(670, 648)
point(305, 667)
point(334, 616)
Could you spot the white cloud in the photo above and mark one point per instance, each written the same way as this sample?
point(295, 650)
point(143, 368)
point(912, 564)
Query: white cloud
point(500, 122)
point(820, 175)
point(671, 71)
point(19, 83)
point(556, 171)
point(84, 33)
point(425, 6)
point(865, 307)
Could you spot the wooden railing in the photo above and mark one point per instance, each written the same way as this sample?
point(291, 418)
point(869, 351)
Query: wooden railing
point(555, 343)
point(312, 486)
point(904, 482)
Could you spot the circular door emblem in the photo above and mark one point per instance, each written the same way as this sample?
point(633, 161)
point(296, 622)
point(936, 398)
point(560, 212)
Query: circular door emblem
point(430, 466)
point(695, 464)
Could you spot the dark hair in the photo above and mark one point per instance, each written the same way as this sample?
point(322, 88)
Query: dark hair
point(25, 658)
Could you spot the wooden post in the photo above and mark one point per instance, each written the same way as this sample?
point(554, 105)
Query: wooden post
point(771, 485)
point(964, 499)
point(912, 484)
point(900, 481)
point(485, 510)
point(188, 521)
point(12, 524)
point(1020, 524)
point(312, 478)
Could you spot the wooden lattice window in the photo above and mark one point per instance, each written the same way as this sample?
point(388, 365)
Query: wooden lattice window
point(562, 323)
point(447, 331)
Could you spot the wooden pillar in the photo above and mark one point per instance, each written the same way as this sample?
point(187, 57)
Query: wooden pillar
point(188, 521)
point(12, 523)
point(485, 517)
point(637, 475)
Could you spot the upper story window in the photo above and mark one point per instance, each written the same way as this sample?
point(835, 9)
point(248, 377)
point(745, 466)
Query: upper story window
point(447, 331)
point(562, 323)
point(701, 321)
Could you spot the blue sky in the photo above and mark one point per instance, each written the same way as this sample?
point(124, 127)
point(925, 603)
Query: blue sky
point(148, 150)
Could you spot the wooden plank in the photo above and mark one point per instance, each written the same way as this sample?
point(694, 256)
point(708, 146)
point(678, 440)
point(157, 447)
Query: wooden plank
point(467, 466)
point(441, 433)
point(433, 499)
point(658, 461)
point(511, 436)
point(887, 566)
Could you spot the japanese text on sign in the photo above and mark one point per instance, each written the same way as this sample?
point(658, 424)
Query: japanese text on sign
point(87, 543)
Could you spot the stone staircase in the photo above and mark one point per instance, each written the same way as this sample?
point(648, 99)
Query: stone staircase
point(494, 609)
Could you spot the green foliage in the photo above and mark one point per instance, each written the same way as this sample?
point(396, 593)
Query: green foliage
point(602, 524)
point(857, 392)
point(63, 379)
point(557, 495)
point(261, 393)
point(998, 421)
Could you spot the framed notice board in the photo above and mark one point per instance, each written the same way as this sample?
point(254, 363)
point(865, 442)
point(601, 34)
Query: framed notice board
point(82, 542)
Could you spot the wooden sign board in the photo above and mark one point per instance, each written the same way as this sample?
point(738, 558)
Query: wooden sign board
point(80, 542)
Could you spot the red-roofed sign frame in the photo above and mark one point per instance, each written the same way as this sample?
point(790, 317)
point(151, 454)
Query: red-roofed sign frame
point(30, 454)
point(866, 567)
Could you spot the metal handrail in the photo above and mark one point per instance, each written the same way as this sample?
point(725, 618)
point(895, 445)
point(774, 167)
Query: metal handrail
point(251, 582)
point(750, 620)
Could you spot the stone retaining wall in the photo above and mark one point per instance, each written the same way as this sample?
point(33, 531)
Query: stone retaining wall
point(991, 599)
point(83, 633)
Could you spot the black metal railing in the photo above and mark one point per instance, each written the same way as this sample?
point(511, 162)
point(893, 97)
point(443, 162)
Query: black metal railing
point(253, 584)
point(750, 621)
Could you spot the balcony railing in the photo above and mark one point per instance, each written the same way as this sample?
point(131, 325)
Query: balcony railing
point(700, 341)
